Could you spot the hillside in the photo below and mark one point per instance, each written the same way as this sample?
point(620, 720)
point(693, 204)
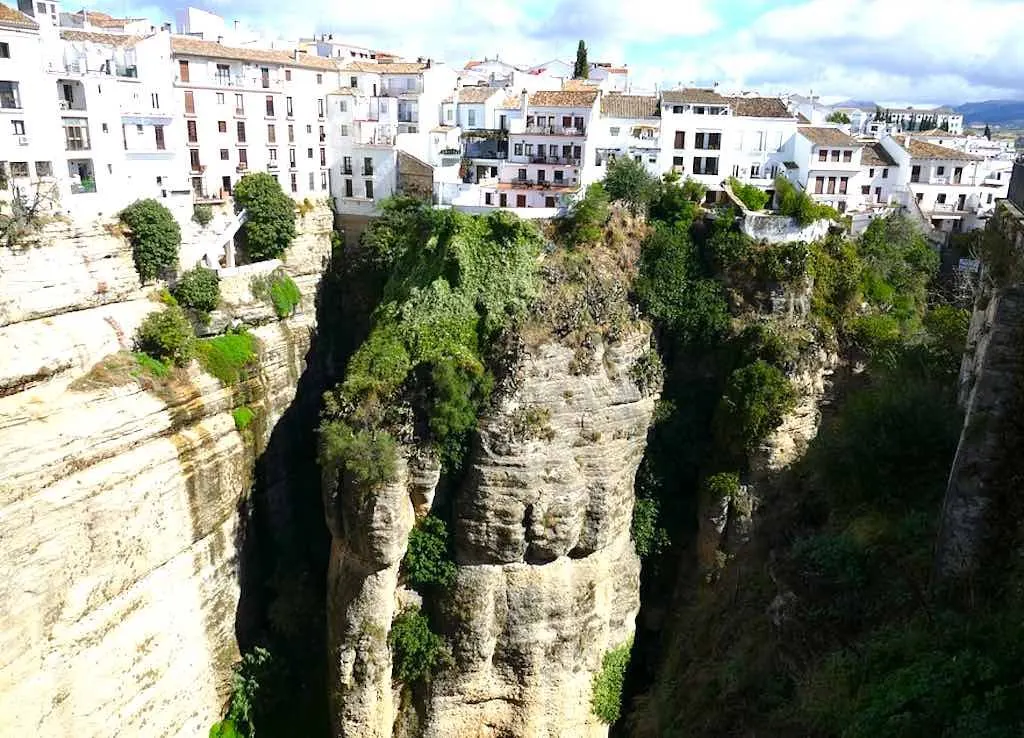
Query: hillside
point(1007, 113)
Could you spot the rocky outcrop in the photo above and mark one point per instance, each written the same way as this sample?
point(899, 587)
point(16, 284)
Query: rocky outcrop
point(119, 502)
point(548, 579)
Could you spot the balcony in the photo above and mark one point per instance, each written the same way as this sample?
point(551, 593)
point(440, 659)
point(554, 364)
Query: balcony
point(346, 170)
point(555, 131)
point(367, 171)
point(569, 161)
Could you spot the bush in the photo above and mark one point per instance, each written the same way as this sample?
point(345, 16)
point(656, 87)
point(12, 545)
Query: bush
point(417, 652)
point(243, 417)
point(457, 393)
point(279, 290)
point(228, 357)
point(586, 219)
point(248, 685)
point(198, 289)
point(800, 206)
point(650, 538)
point(671, 203)
point(606, 699)
point(202, 214)
point(753, 197)
point(270, 223)
point(647, 372)
point(628, 181)
point(154, 235)
point(369, 456)
point(756, 397)
point(428, 560)
point(838, 117)
point(166, 336)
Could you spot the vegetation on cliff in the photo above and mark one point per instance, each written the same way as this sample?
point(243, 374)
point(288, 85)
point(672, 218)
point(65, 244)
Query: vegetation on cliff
point(155, 237)
point(270, 215)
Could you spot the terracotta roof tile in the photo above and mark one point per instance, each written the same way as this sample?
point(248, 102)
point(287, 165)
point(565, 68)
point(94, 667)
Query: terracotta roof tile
point(476, 94)
point(801, 118)
point(759, 107)
point(188, 46)
point(875, 155)
point(11, 17)
point(924, 150)
point(938, 132)
point(110, 39)
point(630, 106)
point(511, 102)
point(693, 95)
point(564, 98)
point(579, 85)
point(104, 20)
point(390, 68)
point(822, 136)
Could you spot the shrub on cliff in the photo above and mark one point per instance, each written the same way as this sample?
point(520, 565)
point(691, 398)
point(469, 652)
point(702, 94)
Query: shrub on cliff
point(417, 652)
point(428, 560)
point(585, 222)
point(753, 197)
point(270, 224)
point(755, 399)
point(167, 336)
point(228, 357)
point(198, 289)
point(606, 699)
point(369, 456)
point(279, 290)
point(629, 182)
point(800, 206)
point(154, 235)
point(202, 214)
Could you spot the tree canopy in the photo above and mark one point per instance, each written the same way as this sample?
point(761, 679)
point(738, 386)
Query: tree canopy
point(582, 68)
point(270, 225)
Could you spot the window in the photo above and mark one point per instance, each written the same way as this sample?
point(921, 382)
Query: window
point(871, 172)
point(295, 182)
point(138, 128)
point(220, 98)
point(823, 155)
point(158, 133)
point(271, 133)
point(323, 157)
point(831, 189)
point(323, 180)
point(488, 198)
point(5, 50)
point(708, 141)
point(553, 151)
point(190, 103)
point(270, 106)
point(309, 153)
point(939, 171)
point(517, 149)
point(323, 134)
point(878, 194)
point(529, 149)
point(915, 173)
point(367, 165)
point(549, 202)
point(614, 130)
point(343, 108)
point(240, 126)
point(941, 198)
point(755, 171)
point(243, 159)
point(522, 175)
point(45, 169)
point(835, 155)
point(559, 176)
point(885, 173)
point(471, 117)
point(103, 127)
point(353, 82)
point(272, 154)
point(265, 78)
point(958, 173)
point(383, 106)
point(819, 185)
point(920, 196)
point(222, 126)
point(223, 74)
point(291, 158)
point(19, 169)
point(224, 155)
point(193, 134)
point(843, 182)
point(319, 81)
point(320, 107)
point(183, 70)
point(680, 142)
point(541, 175)
point(76, 134)
point(348, 188)
point(154, 100)
point(705, 165)
point(346, 166)
point(19, 127)
point(344, 129)
point(193, 155)
point(865, 190)
point(368, 184)
point(312, 182)
point(847, 156)
point(309, 129)
point(989, 198)
point(287, 75)
point(288, 107)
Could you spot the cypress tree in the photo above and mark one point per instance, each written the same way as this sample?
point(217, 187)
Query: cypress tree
point(582, 69)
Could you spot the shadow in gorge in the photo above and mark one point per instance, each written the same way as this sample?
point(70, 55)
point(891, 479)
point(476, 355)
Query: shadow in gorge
point(284, 551)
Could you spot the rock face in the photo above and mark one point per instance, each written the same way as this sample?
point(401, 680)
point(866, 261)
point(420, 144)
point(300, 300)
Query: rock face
point(119, 504)
point(548, 579)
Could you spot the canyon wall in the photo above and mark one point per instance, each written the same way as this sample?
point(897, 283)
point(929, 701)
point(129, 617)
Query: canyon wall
point(122, 498)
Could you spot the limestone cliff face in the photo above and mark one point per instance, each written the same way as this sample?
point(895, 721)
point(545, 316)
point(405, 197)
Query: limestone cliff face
point(548, 579)
point(119, 499)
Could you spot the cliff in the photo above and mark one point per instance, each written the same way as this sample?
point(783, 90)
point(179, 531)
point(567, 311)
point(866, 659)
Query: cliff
point(122, 498)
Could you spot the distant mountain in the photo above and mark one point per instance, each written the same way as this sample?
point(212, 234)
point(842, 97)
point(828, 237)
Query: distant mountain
point(1007, 113)
point(862, 104)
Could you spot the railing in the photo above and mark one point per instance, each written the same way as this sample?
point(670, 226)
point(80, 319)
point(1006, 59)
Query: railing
point(571, 161)
point(346, 170)
point(367, 171)
point(67, 105)
point(555, 131)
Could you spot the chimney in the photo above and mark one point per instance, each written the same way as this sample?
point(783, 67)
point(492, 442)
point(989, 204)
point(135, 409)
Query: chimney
point(236, 25)
point(429, 61)
point(220, 39)
point(295, 54)
point(455, 100)
point(522, 104)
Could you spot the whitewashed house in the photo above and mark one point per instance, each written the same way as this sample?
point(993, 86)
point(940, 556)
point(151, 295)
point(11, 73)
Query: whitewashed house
point(693, 124)
point(911, 119)
point(826, 164)
point(880, 180)
point(756, 135)
point(628, 126)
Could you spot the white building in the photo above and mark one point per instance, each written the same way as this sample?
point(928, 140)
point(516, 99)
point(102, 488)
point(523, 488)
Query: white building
point(826, 162)
point(379, 111)
point(249, 109)
point(327, 46)
point(912, 119)
point(630, 126)
point(881, 182)
point(549, 151)
point(759, 129)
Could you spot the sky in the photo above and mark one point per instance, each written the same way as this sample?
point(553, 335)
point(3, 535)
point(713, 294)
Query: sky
point(889, 51)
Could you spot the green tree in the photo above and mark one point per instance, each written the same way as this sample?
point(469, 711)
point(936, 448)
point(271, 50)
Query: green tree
point(753, 197)
point(671, 203)
point(167, 336)
point(417, 651)
point(587, 217)
point(838, 116)
point(582, 68)
point(428, 560)
point(198, 289)
point(898, 264)
point(756, 397)
point(270, 224)
point(628, 181)
point(155, 237)
point(988, 132)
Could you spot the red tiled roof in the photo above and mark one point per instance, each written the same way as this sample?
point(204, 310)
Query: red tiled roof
point(564, 98)
point(189, 46)
point(759, 107)
point(388, 68)
point(630, 106)
point(110, 39)
point(823, 136)
point(693, 95)
point(924, 150)
point(11, 17)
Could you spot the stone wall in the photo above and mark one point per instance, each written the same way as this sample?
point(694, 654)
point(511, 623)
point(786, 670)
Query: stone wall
point(781, 228)
point(120, 498)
